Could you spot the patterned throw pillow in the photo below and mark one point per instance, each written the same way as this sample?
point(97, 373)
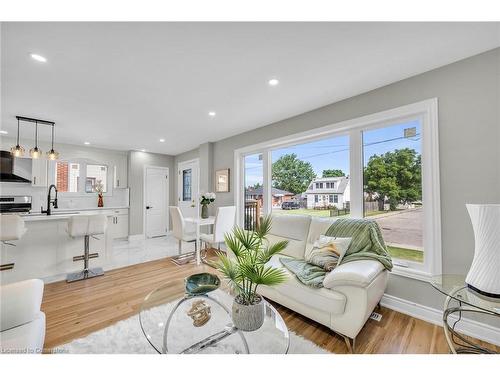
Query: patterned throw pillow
point(327, 251)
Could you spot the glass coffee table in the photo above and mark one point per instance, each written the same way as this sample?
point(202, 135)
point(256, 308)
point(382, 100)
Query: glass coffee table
point(461, 299)
point(175, 322)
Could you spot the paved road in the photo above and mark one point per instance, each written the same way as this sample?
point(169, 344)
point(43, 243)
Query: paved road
point(404, 228)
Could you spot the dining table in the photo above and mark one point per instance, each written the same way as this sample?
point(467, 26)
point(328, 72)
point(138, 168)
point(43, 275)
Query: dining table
point(198, 223)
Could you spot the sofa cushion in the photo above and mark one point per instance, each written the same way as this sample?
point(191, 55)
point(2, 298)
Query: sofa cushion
point(359, 273)
point(319, 226)
point(25, 339)
point(20, 302)
point(293, 228)
point(317, 298)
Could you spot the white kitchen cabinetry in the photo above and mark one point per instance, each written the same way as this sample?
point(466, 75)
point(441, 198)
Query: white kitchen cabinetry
point(39, 172)
point(118, 224)
point(120, 175)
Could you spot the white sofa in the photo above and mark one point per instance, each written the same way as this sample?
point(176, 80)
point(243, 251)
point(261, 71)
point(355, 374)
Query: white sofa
point(22, 324)
point(350, 293)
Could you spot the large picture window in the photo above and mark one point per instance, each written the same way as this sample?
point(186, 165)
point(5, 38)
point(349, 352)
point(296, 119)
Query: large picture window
point(311, 178)
point(382, 166)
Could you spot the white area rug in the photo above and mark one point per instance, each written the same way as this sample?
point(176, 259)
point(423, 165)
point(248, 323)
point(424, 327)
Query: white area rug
point(126, 336)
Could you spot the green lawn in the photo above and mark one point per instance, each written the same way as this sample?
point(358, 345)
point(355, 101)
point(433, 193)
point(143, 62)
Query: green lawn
point(305, 211)
point(406, 254)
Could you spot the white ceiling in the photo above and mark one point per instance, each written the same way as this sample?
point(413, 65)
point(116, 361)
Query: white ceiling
point(126, 85)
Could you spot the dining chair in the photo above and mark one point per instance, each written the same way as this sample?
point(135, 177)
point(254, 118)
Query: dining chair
point(183, 233)
point(224, 222)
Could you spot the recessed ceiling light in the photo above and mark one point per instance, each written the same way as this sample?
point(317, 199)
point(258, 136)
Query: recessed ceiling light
point(143, 150)
point(39, 58)
point(162, 140)
point(273, 82)
point(212, 114)
point(86, 143)
point(4, 132)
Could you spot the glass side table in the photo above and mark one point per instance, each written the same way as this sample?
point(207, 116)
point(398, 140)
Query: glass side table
point(461, 299)
point(166, 319)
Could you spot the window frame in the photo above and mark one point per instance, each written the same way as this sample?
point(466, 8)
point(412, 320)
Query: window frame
point(427, 112)
point(83, 176)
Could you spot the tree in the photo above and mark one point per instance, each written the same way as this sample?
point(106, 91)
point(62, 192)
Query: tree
point(292, 174)
point(333, 173)
point(256, 186)
point(395, 176)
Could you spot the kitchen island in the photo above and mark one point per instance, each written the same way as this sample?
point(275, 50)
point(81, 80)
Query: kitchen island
point(46, 251)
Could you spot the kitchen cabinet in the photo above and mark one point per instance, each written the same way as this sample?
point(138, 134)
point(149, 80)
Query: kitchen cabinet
point(118, 224)
point(120, 174)
point(39, 172)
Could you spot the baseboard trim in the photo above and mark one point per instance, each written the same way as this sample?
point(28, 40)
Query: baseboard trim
point(136, 237)
point(467, 326)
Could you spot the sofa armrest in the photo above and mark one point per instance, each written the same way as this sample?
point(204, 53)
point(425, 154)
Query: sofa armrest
point(356, 273)
point(20, 303)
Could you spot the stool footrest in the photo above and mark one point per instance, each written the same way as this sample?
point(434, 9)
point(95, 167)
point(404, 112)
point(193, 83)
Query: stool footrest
point(82, 257)
point(85, 274)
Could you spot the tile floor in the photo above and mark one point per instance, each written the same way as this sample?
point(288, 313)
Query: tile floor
point(126, 253)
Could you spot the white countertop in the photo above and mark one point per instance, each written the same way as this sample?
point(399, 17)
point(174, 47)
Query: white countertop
point(90, 209)
point(65, 213)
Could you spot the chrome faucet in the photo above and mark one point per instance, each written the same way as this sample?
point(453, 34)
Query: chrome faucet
point(49, 201)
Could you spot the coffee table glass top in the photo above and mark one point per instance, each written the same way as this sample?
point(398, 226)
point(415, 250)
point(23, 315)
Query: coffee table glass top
point(175, 323)
point(455, 287)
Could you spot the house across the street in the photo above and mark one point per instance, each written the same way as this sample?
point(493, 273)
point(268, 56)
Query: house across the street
point(328, 192)
point(279, 196)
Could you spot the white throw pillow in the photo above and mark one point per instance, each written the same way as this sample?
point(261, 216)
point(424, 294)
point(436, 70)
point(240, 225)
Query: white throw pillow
point(328, 251)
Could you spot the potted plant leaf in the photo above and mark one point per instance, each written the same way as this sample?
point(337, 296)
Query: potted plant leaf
point(246, 269)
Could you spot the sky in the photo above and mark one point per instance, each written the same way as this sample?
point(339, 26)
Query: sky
point(333, 153)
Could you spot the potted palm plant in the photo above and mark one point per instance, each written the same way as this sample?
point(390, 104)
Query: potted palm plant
point(245, 268)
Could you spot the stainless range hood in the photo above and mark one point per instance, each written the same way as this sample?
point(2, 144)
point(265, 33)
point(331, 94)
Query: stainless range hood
point(14, 169)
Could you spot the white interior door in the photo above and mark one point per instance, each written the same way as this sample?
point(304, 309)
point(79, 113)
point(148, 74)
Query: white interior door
point(156, 201)
point(188, 188)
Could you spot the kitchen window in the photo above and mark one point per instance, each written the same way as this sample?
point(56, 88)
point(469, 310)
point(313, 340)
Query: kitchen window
point(376, 147)
point(67, 176)
point(79, 177)
point(96, 175)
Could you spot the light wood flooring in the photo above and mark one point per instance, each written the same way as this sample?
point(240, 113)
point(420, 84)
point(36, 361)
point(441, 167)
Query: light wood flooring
point(77, 309)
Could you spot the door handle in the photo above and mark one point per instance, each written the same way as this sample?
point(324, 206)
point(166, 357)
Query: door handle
point(148, 207)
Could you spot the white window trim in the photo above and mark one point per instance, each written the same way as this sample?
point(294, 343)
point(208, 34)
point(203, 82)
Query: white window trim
point(427, 112)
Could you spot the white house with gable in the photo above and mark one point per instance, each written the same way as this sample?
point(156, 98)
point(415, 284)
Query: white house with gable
point(328, 192)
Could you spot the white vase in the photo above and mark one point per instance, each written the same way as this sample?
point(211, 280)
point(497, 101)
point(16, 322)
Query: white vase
point(484, 273)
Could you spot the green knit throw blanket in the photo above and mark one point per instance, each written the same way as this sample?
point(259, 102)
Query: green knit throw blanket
point(367, 241)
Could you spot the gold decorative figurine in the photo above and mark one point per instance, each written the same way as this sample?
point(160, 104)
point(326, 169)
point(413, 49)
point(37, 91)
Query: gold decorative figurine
point(199, 312)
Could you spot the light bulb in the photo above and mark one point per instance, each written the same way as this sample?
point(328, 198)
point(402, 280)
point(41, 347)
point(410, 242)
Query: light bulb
point(17, 151)
point(35, 153)
point(52, 155)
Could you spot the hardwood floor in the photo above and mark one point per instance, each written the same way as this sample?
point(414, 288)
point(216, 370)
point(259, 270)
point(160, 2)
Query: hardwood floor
point(77, 309)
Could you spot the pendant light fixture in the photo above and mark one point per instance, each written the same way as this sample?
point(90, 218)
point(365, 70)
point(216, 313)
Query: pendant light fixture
point(52, 155)
point(17, 150)
point(35, 152)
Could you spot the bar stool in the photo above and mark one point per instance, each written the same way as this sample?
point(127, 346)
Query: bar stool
point(86, 226)
point(12, 229)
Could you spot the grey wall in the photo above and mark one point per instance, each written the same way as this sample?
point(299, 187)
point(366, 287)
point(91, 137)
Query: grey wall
point(136, 162)
point(469, 135)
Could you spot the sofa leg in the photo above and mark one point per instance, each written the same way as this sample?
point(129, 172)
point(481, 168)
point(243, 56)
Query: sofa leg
point(351, 344)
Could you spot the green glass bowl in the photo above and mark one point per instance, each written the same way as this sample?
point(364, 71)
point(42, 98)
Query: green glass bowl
point(201, 283)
